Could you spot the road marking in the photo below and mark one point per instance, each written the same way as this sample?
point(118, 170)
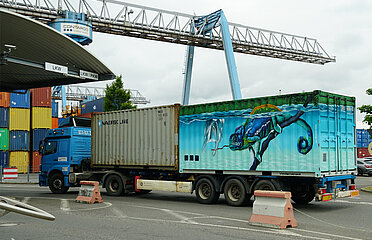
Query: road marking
point(119, 213)
point(359, 203)
point(26, 200)
point(65, 205)
point(179, 216)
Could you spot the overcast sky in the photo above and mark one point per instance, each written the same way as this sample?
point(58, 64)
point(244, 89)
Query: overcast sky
point(343, 28)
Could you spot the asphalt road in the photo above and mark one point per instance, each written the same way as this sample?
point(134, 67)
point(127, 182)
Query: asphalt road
point(160, 215)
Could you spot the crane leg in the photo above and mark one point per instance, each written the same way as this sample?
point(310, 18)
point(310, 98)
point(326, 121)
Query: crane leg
point(187, 77)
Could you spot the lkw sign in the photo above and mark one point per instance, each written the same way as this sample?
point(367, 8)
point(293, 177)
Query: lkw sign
point(55, 68)
point(89, 75)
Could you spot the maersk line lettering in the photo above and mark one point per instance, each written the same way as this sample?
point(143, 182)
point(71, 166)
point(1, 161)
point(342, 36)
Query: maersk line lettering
point(115, 122)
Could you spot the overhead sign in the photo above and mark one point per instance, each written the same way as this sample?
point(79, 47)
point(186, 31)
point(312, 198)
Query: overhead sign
point(89, 75)
point(55, 68)
point(76, 29)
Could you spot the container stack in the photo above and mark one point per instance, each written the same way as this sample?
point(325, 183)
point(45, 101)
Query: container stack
point(41, 121)
point(54, 114)
point(364, 146)
point(88, 108)
point(4, 129)
point(19, 130)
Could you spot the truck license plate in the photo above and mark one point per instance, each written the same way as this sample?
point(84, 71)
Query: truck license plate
point(327, 197)
point(355, 193)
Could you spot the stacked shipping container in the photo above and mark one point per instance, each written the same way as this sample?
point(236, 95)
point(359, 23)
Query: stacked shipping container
point(19, 130)
point(4, 129)
point(364, 143)
point(54, 114)
point(41, 121)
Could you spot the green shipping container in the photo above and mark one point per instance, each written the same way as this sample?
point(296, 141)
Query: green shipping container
point(4, 139)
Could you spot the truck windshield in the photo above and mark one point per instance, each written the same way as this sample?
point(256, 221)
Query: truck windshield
point(50, 147)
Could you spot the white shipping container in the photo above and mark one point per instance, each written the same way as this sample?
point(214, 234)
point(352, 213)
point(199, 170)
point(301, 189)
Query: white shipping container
point(139, 138)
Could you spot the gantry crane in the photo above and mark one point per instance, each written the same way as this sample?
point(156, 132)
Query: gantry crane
point(210, 31)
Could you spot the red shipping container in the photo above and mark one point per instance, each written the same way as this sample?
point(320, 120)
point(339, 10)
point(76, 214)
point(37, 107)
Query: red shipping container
point(54, 122)
point(363, 152)
point(4, 99)
point(88, 115)
point(36, 160)
point(41, 97)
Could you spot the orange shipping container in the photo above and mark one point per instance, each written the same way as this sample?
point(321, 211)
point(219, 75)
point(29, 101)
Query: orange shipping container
point(54, 122)
point(36, 161)
point(4, 99)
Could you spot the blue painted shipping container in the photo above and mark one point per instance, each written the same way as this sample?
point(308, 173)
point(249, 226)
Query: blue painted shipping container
point(92, 106)
point(4, 117)
point(20, 100)
point(4, 159)
point(19, 141)
point(54, 109)
point(37, 136)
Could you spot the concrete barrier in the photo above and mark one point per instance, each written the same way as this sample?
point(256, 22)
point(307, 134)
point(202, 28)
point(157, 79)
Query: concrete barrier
point(89, 192)
point(273, 209)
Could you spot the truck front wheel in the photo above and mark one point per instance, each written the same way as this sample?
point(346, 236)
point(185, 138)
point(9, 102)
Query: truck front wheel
point(114, 185)
point(57, 184)
point(206, 192)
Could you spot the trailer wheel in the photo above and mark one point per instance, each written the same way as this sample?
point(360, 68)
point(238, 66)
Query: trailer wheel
point(265, 185)
point(303, 194)
point(57, 184)
point(235, 193)
point(206, 192)
point(114, 185)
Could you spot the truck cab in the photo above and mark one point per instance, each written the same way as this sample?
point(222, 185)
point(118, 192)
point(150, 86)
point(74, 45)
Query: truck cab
point(64, 149)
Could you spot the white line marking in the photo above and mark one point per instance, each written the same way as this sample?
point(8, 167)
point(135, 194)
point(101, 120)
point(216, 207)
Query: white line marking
point(119, 213)
point(179, 216)
point(65, 205)
point(358, 203)
point(26, 200)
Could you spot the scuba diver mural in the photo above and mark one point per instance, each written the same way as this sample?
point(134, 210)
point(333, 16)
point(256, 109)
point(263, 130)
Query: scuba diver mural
point(256, 133)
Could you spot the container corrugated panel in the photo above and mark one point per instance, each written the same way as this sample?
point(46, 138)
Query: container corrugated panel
point(92, 106)
point(19, 160)
point(4, 117)
point(54, 109)
point(20, 100)
point(308, 134)
point(41, 117)
point(136, 138)
point(4, 99)
point(41, 97)
point(19, 141)
point(4, 159)
point(37, 136)
point(54, 122)
point(364, 152)
point(36, 161)
point(19, 119)
point(4, 139)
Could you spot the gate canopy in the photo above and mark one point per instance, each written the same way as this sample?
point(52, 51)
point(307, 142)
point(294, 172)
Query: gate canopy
point(34, 55)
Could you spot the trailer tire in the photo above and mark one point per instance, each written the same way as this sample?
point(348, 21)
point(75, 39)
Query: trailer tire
point(114, 185)
point(57, 184)
point(266, 185)
point(304, 196)
point(235, 193)
point(206, 192)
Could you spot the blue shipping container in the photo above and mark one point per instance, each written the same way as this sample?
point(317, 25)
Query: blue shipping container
point(20, 100)
point(92, 106)
point(4, 159)
point(19, 141)
point(54, 109)
point(37, 136)
point(4, 117)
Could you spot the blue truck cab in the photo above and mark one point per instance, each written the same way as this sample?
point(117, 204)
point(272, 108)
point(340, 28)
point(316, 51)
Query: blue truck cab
point(64, 149)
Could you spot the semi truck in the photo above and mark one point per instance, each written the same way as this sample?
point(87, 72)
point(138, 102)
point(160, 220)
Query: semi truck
point(303, 143)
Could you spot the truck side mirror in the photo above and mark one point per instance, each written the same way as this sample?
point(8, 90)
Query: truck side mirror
point(41, 147)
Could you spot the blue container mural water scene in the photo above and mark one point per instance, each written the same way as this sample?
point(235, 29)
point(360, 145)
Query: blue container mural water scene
point(295, 137)
point(19, 141)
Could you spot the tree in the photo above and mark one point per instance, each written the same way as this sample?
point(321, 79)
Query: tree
point(367, 109)
point(117, 98)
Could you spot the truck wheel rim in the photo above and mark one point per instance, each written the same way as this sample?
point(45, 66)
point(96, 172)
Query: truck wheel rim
point(114, 186)
point(205, 191)
point(57, 184)
point(234, 193)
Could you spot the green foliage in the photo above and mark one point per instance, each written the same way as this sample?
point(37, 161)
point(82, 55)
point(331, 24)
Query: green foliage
point(117, 98)
point(367, 109)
